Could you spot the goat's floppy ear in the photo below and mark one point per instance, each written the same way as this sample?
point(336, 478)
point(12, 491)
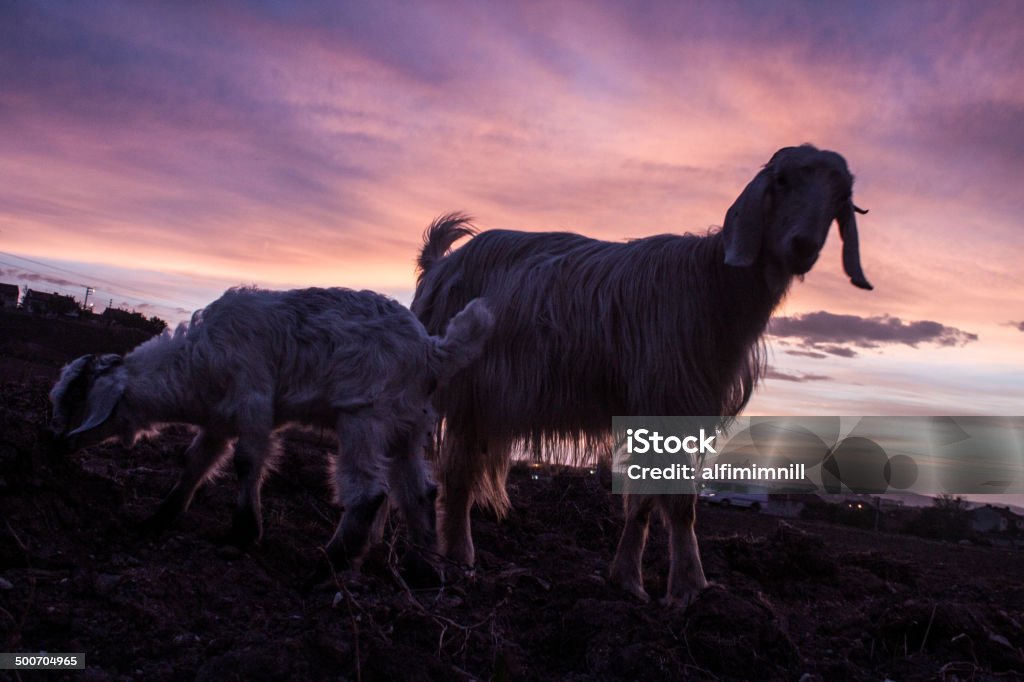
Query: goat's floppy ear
point(464, 339)
point(70, 390)
point(73, 373)
point(106, 386)
point(744, 222)
point(851, 245)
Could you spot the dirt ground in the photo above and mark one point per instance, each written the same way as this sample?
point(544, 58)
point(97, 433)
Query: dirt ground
point(791, 600)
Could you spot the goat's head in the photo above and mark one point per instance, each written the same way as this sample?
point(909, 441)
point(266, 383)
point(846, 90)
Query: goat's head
point(784, 214)
point(85, 403)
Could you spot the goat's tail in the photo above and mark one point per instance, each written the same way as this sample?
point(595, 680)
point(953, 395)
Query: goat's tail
point(464, 339)
point(439, 237)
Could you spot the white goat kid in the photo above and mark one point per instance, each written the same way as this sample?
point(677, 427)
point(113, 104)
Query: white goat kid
point(254, 361)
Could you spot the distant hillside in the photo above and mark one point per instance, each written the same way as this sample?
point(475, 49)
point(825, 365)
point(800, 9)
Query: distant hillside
point(46, 344)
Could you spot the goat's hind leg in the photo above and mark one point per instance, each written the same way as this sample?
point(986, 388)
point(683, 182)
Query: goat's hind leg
point(199, 462)
point(685, 573)
point(626, 569)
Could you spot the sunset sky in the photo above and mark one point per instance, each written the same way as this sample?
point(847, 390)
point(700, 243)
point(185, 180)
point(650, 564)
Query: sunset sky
point(162, 152)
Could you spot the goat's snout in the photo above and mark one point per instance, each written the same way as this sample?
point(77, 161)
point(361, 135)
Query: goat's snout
point(802, 253)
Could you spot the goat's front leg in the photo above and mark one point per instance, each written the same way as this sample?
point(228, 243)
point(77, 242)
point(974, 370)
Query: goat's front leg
point(461, 471)
point(626, 570)
point(416, 495)
point(360, 482)
point(456, 533)
point(199, 462)
point(252, 454)
point(685, 573)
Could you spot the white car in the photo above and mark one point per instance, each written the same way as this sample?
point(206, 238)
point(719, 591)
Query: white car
point(735, 496)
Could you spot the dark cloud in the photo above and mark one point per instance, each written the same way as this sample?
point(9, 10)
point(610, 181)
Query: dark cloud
point(1018, 325)
point(151, 309)
point(773, 373)
point(839, 351)
point(807, 354)
point(839, 334)
point(34, 277)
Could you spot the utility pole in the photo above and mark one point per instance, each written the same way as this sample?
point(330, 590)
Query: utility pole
point(85, 302)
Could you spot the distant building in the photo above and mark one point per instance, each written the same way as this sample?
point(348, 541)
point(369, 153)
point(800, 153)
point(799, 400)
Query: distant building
point(1014, 522)
point(989, 519)
point(41, 303)
point(9, 296)
point(130, 318)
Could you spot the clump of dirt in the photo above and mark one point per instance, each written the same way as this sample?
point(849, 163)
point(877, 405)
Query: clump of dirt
point(733, 633)
point(886, 568)
point(954, 631)
point(781, 563)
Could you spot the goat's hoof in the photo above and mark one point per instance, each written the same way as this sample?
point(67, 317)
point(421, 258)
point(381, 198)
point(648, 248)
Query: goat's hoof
point(683, 598)
point(453, 572)
point(678, 601)
point(633, 586)
point(637, 592)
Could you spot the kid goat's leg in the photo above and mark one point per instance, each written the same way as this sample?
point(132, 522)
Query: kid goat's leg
point(360, 485)
point(200, 460)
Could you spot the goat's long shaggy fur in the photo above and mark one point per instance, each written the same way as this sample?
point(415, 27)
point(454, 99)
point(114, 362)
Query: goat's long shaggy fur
point(588, 329)
point(255, 360)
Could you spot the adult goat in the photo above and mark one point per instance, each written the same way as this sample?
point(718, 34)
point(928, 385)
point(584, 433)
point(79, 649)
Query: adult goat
point(588, 329)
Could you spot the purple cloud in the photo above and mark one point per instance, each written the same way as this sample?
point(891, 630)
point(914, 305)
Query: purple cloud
point(839, 351)
point(840, 334)
point(34, 277)
point(807, 354)
point(149, 308)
